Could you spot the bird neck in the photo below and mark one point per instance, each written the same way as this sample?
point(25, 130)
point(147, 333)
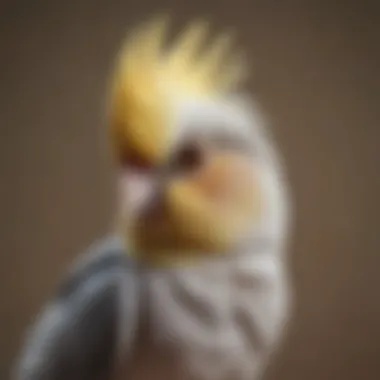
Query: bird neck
point(193, 258)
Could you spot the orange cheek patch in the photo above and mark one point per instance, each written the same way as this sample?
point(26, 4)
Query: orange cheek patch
point(217, 202)
point(228, 179)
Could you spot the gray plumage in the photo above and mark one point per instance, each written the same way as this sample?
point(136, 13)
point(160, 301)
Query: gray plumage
point(76, 335)
point(206, 322)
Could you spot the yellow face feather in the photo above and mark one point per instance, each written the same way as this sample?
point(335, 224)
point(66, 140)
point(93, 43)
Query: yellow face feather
point(213, 206)
point(148, 81)
point(202, 214)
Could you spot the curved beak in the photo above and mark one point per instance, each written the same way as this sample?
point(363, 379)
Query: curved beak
point(137, 189)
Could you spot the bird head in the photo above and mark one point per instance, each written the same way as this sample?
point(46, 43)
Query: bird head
point(186, 145)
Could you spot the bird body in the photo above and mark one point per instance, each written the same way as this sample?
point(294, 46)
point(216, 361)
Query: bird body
point(193, 284)
point(216, 322)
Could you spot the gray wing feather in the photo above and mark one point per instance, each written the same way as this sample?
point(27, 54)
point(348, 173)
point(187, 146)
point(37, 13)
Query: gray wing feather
point(76, 335)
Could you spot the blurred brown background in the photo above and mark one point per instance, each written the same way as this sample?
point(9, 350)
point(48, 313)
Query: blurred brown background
point(316, 74)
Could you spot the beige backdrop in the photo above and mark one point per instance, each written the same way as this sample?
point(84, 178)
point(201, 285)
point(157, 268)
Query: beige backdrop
point(316, 72)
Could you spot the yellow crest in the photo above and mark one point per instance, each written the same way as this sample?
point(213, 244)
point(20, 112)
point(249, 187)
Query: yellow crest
point(148, 79)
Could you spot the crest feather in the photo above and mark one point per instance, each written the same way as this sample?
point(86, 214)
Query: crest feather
point(184, 67)
point(149, 78)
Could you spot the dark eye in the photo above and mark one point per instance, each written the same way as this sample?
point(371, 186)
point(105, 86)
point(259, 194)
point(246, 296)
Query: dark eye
point(189, 157)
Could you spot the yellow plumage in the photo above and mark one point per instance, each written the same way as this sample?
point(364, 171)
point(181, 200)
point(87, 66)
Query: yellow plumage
point(204, 212)
point(148, 81)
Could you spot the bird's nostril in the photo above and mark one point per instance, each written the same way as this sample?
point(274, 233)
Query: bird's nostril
point(134, 161)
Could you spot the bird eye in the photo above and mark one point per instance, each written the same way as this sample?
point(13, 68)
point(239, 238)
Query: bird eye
point(189, 157)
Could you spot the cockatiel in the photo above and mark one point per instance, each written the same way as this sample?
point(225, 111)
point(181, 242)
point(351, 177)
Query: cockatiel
point(192, 284)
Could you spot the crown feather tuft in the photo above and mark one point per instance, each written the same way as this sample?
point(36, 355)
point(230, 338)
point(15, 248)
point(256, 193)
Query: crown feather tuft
point(148, 78)
point(183, 66)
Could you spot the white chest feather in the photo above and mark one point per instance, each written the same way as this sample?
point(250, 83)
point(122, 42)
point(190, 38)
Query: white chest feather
point(217, 322)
